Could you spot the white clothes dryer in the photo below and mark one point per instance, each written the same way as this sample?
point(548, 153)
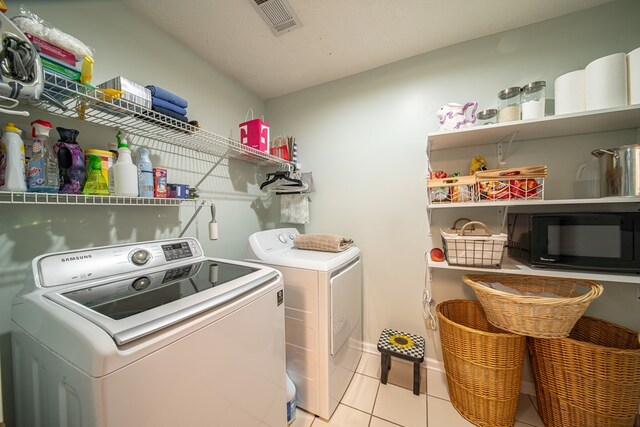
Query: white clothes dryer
point(148, 334)
point(323, 315)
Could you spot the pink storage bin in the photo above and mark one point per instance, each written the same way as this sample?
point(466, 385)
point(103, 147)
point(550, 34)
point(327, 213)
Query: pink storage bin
point(255, 134)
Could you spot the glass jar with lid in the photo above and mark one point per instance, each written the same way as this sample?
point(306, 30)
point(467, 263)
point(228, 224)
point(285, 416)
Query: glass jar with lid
point(533, 99)
point(487, 117)
point(509, 104)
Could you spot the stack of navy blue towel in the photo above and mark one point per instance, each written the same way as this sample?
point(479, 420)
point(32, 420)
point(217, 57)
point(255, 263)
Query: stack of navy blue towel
point(167, 103)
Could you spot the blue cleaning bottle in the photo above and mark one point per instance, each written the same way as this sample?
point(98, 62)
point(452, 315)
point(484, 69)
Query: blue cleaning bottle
point(145, 174)
point(42, 169)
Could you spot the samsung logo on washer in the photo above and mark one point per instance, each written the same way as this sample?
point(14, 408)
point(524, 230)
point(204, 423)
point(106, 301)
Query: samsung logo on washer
point(76, 258)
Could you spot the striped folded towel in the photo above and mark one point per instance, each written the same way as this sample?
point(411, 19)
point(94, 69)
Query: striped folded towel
point(322, 242)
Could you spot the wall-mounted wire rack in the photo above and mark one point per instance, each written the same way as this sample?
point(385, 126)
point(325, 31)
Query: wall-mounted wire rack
point(75, 100)
point(17, 197)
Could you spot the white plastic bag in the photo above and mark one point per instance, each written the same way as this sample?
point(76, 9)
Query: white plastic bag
point(29, 22)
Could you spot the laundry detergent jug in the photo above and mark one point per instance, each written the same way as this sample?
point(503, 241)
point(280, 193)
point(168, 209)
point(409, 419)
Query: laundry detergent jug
point(12, 175)
point(291, 400)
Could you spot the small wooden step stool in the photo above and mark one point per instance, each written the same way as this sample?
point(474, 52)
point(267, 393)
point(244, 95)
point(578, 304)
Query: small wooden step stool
point(405, 346)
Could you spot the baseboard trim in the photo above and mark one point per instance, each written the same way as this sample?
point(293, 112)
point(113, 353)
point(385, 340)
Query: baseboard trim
point(527, 387)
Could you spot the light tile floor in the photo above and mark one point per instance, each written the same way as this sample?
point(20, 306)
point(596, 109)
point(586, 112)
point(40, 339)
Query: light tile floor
point(367, 403)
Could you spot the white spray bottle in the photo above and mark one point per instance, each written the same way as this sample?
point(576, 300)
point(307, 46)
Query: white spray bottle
point(125, 172)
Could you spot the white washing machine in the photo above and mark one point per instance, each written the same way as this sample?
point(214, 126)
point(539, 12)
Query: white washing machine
point(323, 315)
point(148, 334)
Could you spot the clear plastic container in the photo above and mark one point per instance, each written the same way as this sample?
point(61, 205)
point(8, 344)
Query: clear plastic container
point(509, 104)
point(533, 99)
point(487, 117)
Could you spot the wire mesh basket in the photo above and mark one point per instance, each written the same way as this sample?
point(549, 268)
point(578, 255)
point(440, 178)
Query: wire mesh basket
point(525, 183)
point(455, 189)
point(473, 247)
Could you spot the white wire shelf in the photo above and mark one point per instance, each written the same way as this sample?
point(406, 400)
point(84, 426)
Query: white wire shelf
point(535, 202)
point(17, 197)
point(511, 266)
point(84, 103)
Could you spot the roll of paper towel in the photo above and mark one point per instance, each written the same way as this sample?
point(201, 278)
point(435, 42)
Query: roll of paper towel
point(633, 74)
point(570, 92)
point(606, 81)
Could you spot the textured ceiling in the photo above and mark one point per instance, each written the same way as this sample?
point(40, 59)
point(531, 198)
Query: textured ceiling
point(338, 38)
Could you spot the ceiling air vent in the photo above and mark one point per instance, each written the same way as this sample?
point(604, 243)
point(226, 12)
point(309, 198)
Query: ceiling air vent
point(278, 15)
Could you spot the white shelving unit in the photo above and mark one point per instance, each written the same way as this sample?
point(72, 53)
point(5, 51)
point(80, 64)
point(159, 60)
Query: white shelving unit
point(611, 119)
point(91, 105)
point(74, 100)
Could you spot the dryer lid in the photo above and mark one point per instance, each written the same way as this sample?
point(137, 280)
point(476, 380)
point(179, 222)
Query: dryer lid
point(275, 247)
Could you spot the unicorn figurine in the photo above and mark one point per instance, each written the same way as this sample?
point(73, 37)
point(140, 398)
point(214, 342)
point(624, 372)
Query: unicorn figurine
point(454, 116)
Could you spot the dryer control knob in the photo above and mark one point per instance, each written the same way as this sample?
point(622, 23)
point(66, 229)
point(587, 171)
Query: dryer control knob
point(282, 238)
point(140, 257)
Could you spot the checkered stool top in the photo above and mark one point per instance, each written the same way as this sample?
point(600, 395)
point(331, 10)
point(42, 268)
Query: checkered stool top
point(402, 344)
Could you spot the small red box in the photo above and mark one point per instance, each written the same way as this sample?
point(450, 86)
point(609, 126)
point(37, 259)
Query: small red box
point(282, 152)
point(255, 134)
point(160, 189)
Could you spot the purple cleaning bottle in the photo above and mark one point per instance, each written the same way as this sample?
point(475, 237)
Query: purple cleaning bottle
point(70, 161)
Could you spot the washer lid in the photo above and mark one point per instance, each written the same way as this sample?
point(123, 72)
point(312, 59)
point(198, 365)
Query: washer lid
point(136, 306)
point(310, 260)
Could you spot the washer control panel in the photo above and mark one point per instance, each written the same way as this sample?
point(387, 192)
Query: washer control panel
point(176, 251)
point(96, 263)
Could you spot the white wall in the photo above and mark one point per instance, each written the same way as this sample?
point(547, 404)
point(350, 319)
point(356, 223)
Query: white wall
point(364, 138)
point(128, 45)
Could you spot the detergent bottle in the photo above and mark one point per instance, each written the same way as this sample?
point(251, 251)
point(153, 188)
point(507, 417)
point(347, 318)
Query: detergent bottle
point(12, 176)
point(96, 184)
point(42, 169)
point(291, 400)
point(125, 172)
point(145, 174)
point(70, 161)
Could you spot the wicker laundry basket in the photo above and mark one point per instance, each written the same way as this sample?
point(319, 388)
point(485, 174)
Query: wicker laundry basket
point(483, 364)
point(591, 378)
point(534, 315)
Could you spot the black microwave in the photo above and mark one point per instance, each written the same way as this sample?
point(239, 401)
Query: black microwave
point(578, 241)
